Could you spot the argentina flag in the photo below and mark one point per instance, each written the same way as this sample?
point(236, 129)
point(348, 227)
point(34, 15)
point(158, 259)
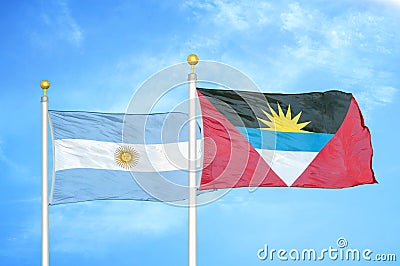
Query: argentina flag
point(104, 156)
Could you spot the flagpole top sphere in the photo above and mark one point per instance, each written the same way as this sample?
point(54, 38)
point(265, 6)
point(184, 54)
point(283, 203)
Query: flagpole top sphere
point(45, 84)
point(192, 61)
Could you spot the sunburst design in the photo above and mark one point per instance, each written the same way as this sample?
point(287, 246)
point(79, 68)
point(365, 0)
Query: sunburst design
point(126, 157)
point(281, 122)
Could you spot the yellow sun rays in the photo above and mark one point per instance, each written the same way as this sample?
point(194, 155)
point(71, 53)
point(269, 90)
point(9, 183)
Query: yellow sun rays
point(281, 122)
point(126, 157)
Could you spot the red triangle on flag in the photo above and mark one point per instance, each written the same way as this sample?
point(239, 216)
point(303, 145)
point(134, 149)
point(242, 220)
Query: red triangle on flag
point(345, 161)
point(229, 159)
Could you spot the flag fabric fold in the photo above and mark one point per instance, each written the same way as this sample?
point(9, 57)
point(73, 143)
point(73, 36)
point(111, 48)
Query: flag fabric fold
point(300, 140)
point(100, 156)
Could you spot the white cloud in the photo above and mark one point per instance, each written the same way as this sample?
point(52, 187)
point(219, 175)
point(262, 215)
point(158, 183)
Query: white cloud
point(233, 15)
point(376, 96)
point(360, 31)
point(297, 18)
point(391, 3)
point(58, 24)
point(373, 97)
point(385, 94)
point(348, 48)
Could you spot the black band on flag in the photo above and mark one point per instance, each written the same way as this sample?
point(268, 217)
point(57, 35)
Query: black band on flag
point(325, 111)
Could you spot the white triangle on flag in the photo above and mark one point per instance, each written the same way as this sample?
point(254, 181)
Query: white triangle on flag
point(288, 165)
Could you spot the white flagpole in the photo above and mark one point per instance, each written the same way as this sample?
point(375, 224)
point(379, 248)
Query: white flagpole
point(45, 84)
point(192, 237)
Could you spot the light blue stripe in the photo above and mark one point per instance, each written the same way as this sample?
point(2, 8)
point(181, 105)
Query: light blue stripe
point(285, 141)
point(145, 129)
point(77, 185)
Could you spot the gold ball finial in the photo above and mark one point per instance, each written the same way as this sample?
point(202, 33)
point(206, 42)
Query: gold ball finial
point(192, 61)
point(44, 84)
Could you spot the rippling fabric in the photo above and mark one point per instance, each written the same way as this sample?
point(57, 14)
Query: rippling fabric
point(255, 139)
point(86, 156)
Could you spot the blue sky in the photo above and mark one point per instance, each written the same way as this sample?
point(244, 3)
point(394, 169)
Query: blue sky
point(97, 53)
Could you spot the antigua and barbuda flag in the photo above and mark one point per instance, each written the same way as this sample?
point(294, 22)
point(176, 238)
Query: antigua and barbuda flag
point(254, 139)
point(102, 156)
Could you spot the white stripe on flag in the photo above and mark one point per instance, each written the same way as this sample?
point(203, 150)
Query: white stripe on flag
point(80, 153)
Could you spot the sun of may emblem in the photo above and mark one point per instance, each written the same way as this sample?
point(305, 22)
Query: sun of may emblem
point(126, 157)
point(283, 123)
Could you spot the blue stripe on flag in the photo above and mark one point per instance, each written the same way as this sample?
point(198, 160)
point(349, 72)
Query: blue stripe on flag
point(285, 141)
point(78, 185)
point(138, 128)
